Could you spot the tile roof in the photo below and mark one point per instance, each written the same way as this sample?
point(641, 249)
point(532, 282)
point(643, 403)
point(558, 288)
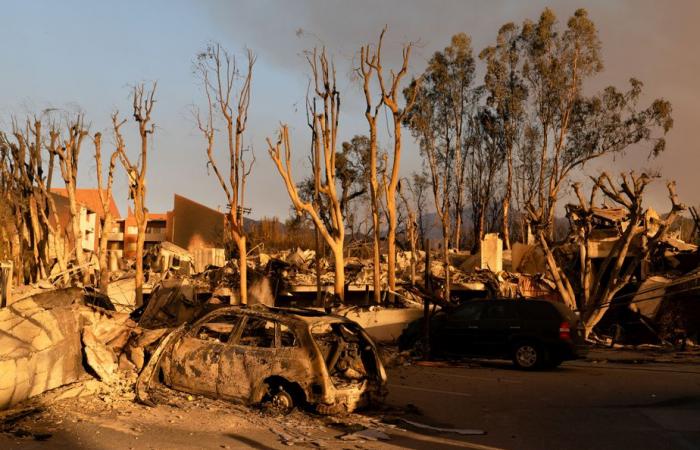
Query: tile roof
point(91, 199)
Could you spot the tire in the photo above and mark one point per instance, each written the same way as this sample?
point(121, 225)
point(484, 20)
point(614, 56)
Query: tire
point(527, 355)
point(278, 399)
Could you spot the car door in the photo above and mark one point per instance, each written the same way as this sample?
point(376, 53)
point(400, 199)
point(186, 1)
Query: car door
point(249, 359)
point(499, 319)
point(195, 358)
point(458, 331)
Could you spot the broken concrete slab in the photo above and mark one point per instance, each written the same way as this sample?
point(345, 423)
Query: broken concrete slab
point(492, 253)
point(39, 347)
point(384, 324)
point(99, 358)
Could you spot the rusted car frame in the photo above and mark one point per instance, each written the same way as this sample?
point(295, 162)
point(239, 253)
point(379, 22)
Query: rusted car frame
point(286, 356)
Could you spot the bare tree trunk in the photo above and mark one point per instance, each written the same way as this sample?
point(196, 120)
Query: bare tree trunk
point(458, 229)
point(105, 193)
point(218, 70)
point(391, 244)
point(243, 267)
point(104, 262)
point(369, 62)
point(68, 157)
point(446, 256)
point(136, 173)
point(376, 247)
point(139, 278)
point(339, 265)
point(506, 200)
point(317, 238)
point(390, 97)
point(324, 135)
point(482, 225)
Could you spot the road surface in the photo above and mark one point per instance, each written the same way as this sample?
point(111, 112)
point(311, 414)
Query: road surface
point(582, 405)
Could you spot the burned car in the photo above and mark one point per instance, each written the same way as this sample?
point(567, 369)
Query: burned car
point(282, 357)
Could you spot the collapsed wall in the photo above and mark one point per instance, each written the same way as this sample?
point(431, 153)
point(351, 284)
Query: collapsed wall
point(40, 346)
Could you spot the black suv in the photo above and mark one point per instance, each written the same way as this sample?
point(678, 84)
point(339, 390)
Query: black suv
point(533, 333)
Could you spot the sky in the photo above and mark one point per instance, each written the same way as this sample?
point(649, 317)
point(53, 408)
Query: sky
point(85, 56)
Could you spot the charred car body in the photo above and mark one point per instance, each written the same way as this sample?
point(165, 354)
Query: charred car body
point(285, 357)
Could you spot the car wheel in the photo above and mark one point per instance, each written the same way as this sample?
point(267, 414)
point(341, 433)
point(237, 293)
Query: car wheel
point(527, 355)
point(279, 400)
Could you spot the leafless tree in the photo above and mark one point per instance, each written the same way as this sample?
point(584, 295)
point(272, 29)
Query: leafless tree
point(600, 284)
point(219, 71)
point(67, 150)
point(143, 101)
point(36, 233)
point(411, 228)
point(390, 91)
point(369, 60)
point(324, 140)
point(105, 193)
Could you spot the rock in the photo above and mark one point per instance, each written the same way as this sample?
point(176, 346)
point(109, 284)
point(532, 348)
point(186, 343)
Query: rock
point(368, 434)
point(100, 358)
point(137, 357)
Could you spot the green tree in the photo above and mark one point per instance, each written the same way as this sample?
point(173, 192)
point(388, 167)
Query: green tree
point(507, 95)
point(573, 128)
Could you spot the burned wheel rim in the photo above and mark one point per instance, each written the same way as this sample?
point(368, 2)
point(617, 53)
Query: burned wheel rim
point(526, 356)
point(282, 401)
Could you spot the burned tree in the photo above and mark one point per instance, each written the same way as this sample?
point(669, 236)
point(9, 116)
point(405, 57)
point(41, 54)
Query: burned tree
point(105, 193)
point(389, 93)
point(67, 150)
point(600, 277)
point(219, 72)
point(143, 101)
point(369, 61)
point(350, 167)
point(37, 238)
point(324, 139)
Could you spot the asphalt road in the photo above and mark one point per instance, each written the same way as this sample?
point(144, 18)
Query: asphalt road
point(582, 405)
